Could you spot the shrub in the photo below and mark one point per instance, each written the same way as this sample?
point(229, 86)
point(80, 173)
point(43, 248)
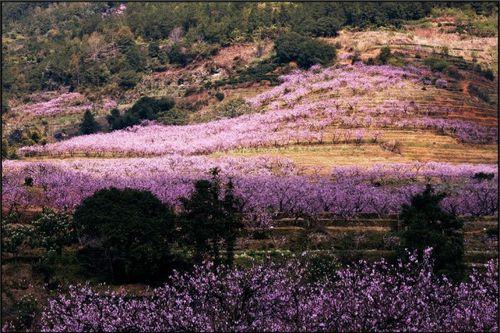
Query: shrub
point(483, 176)
point(255, 73)
point(26, 136)
point(427, 225)
point(88, 124)
point(304, 50)
point(149, 108)
point(174, 116)
point(146, 108)
point(437, 64)
point(25, 311)
point(49, 230)
point(492, 233)
point(489, 74)
point(154, 49)
point(211, 220)
point(219, 95)
point(125, 234)
point(486, 28)
point(128, 79)
point(320, 267)
point(453, 72)
point(231, 108)
point(384, 55)
point(177, 55)
point(53, 231)
point(114, 119)
point(479, 92)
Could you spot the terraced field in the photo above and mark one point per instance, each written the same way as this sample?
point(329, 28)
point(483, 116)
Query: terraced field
point(368, 238)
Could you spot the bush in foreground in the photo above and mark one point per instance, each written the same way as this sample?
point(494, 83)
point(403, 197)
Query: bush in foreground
point(125, 234)
point(273, 297)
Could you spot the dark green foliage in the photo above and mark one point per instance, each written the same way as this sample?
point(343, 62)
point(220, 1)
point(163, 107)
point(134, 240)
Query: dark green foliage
point(219, 95)
point(174, 116)
point(489, 74)
point(453, 72)
point(258, 72)
point(437, 64)
point(88, 124)
point(25, 311)
point(232, 108)
point(125, 234)
point(154, 49)
point(384, 55)
point(229, 108)
point(128, 79)
point(114, 119)
point(492, 232)
point(53, 231)
point(177, 55)
point(210, 222)
point(320, 267)
point(81, 39)
point(28, 181)
point(304, 50)
point(5, 103)
point(425, 225)
point(149, 108)
point(483, 176)
point(49, 230)
point(146, 108)
point(26, 136)
point(479, 92)
point(5, 149)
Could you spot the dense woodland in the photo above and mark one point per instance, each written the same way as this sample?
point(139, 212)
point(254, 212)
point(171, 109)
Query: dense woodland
point(71, 44)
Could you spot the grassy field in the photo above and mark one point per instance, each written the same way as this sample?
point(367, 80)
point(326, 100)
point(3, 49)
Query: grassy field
point(420, 146)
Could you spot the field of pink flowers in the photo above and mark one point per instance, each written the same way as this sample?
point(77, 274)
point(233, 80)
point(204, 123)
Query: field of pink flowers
point(273, 297)
point(269, 187)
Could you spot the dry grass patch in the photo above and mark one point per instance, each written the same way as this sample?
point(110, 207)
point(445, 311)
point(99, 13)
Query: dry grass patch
point(416, 146)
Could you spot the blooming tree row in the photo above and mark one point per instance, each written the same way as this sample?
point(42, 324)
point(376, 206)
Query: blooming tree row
point(66, 103)
point(273, 297)
point(267, 186)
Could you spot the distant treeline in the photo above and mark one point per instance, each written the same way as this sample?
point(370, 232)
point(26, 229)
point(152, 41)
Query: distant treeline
point(96, 45)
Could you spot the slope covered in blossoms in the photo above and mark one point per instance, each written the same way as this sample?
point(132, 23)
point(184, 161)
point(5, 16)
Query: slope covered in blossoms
point(334, 111)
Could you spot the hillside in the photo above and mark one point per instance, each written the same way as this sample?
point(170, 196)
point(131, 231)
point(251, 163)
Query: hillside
point(262, 134)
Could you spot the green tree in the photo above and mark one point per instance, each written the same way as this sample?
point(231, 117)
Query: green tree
point(306, 51)
point(88, 124)
point(425, 224)
point(114, 119)
point(384, 55)
point(126, 234)
point(53, 231)
point(209, 222)
point(154, 49)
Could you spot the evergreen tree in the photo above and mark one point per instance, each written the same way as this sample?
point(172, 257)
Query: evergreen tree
point(88, 124)
point(114, 119)
point(425, 225)
point(210, 222)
